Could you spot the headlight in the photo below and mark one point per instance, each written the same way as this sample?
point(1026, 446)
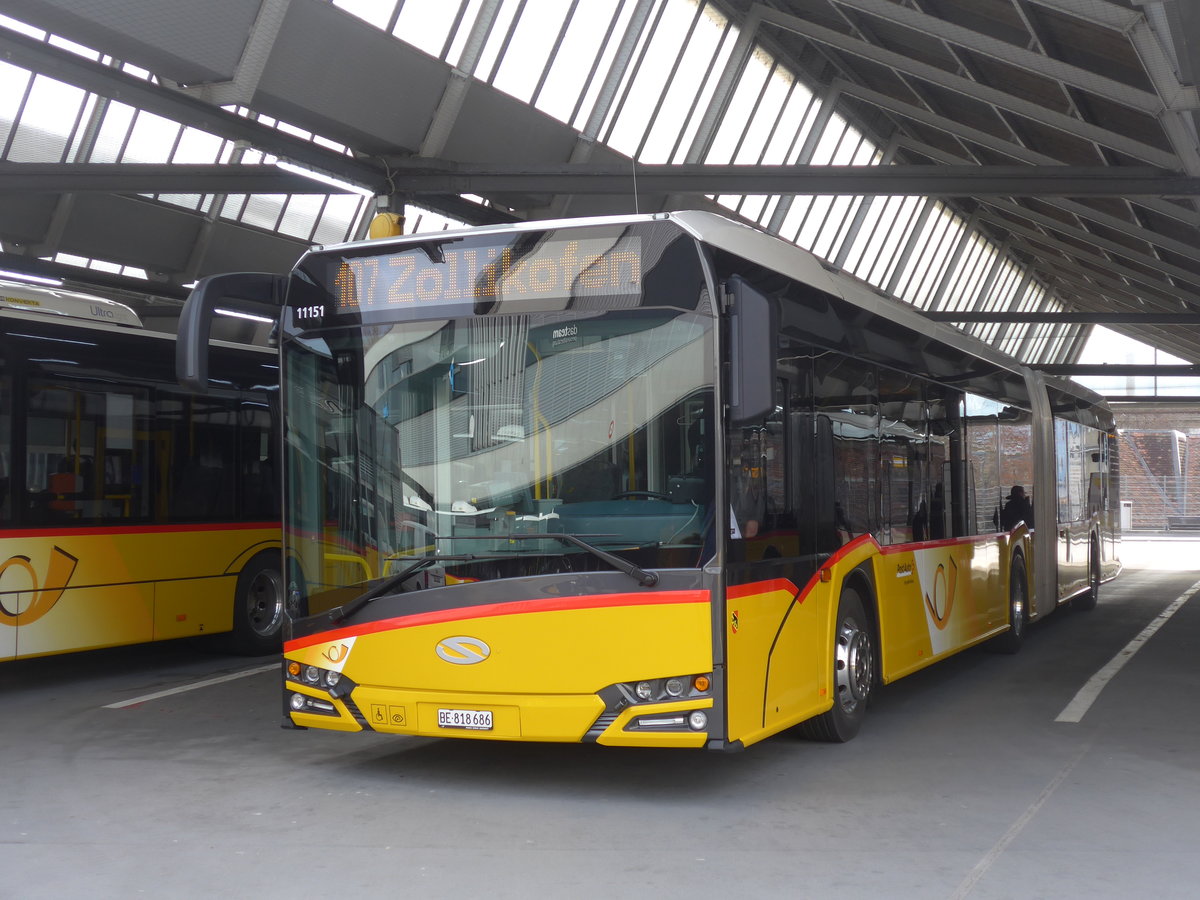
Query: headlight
point(336, 683)
point(658, 690)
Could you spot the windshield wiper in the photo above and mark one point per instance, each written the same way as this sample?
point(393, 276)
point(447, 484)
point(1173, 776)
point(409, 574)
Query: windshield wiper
point(386, 586)
point(644, 577)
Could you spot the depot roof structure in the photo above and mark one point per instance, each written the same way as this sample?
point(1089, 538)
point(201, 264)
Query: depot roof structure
point(1026, 169)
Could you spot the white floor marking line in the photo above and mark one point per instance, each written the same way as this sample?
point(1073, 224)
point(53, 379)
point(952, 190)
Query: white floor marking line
point(1009, 836)
point(191, 687)
point(1082, 702)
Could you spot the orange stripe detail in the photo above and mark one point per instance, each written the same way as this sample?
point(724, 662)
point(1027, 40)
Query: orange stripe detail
point(510, 608)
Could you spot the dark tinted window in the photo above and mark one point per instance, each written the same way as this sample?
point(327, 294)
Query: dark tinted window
point(102, 435)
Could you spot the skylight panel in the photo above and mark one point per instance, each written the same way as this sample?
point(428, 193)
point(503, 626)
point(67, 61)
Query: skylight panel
point(582, 43)
point(425, 24)
point(741, 108)
point(22, 28)
point(338, 219)
point(114, 132)
point(13, 84)
point(667, 81)
point(764, 118)
point(529, 48)
point(47, 121)
point(196, 146)
point(151, 139)
point(300, 214)
point(375, 12)
point(78, 49)
point(793, 119)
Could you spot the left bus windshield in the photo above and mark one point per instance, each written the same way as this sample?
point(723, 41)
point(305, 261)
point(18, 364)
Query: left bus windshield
point(448, 437)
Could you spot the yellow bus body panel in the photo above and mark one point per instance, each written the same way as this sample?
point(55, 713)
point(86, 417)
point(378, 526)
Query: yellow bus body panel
point(930, 602)
point(935, 601)
point(779, 640)
point(80, 589)
point(402, 682)
point(616, 734)
point(927, 602)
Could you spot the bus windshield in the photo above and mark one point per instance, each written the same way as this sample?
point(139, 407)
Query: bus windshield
point(468, 438)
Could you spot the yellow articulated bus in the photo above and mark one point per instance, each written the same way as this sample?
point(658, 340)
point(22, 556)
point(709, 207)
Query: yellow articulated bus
point(658, 481)
point(130, 510)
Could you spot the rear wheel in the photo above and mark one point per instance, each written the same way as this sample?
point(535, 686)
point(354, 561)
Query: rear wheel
point(259, 606)
point(1091, 597)
point(1018, 610)
point(853, 673)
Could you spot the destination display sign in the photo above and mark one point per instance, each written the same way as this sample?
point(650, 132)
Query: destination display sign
point(552, 267)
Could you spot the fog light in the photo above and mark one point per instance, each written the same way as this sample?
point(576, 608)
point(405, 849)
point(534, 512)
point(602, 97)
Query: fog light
point(644, 690)
point(312, 674)
point(698, 720)
point(674, 687)
point(298, 701)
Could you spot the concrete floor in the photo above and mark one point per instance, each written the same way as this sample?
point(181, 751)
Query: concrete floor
point(962, 784)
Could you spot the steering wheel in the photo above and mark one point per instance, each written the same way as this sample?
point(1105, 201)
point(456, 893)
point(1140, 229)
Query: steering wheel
point(645, 495)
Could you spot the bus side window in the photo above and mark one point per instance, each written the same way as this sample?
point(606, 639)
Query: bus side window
point(257, 473)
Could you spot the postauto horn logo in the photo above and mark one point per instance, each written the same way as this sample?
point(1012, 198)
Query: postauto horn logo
point(463, 651)
point(59, 571)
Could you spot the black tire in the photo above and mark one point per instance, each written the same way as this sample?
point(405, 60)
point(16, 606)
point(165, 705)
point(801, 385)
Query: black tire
point(258, 610)
point(1089, 598)
point(1018, 610)
point(853, 673)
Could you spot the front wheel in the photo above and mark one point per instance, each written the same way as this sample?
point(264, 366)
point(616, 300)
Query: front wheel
point(258, 609)
point(853, 673)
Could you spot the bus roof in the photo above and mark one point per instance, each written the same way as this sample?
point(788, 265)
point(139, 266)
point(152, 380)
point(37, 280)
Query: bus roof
point(773, 253)
point(68, 304)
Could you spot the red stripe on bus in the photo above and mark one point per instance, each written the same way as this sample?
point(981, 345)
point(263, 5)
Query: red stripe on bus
point(138, 529)
point(785, 584)
point(491, 610)
point(738, 591)
point(842, 552)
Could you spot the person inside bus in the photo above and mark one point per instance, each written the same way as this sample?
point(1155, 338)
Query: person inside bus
point(1017, 509)
point(749, 488)
point(920, 522)
point(937, 513)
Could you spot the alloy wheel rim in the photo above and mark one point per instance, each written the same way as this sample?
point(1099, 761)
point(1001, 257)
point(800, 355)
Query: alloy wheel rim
point(852, 664)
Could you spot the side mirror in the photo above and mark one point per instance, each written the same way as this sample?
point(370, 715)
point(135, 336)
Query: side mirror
point(253, 293)
point(752, 338)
